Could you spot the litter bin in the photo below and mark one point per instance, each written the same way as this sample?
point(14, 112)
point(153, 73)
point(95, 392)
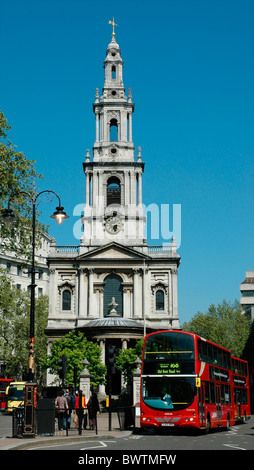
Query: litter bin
point(126, 417)
point(18, 422)
point(46, 417)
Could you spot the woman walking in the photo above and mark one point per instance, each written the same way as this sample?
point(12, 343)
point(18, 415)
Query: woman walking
point(93, 406)
point(62, 410)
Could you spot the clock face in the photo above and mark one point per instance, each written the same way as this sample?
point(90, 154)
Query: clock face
point(113, 225)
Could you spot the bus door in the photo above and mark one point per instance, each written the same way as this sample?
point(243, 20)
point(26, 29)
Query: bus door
point(237, 402)
point(201, 404)
point(218, 401)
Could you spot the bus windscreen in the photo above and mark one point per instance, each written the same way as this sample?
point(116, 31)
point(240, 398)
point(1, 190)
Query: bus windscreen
point(168, 393)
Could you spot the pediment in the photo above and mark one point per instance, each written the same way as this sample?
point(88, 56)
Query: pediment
point(113, 251)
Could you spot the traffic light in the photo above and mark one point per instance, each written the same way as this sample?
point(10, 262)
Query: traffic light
point(112, 353)
point(62, 362)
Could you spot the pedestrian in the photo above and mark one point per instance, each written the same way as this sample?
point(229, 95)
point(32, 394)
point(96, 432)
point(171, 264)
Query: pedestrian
point(62, 409)
point(93, 407)
point(71, 403)
point(80, 405)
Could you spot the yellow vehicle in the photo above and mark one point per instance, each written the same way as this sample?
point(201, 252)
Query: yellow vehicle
point(15, 396)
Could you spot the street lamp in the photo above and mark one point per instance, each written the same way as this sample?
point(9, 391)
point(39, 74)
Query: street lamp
point(8, 217)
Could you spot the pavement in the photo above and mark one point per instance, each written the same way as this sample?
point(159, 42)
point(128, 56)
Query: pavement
point(22, 443)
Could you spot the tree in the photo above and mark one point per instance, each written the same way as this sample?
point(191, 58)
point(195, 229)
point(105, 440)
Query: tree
point(126, 358)
point(14, 329)
point(17, 175)
point(76, 347)
point(248, 355)
point(224, 325)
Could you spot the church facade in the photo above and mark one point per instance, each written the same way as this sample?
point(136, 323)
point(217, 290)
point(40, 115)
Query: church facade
point(113, 286)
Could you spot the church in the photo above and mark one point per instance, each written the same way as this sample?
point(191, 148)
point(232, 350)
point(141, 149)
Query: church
point(113, 286)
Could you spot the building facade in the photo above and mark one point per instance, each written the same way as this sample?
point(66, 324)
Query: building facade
point(113, 286)
point(18, 267)
point(247, 292)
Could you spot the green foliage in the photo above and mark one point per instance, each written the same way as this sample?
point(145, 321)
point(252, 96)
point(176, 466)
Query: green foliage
point(14, 329)
point(17, 174)
point(248, 353)
point(224, 325)
point(126, 359)
point(76, 347)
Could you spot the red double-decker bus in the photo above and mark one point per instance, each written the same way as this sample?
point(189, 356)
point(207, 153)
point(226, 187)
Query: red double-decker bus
point(4, 383)
point(187, 381)
point(241, 388)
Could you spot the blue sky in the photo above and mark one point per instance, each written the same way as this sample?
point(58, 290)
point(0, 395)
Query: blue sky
point(190, 64)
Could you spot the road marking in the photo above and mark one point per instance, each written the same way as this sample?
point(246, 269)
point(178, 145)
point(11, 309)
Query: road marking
point(102, 444)
point(234, 446)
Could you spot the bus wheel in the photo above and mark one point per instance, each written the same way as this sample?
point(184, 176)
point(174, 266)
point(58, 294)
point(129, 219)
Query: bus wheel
point(208, 425)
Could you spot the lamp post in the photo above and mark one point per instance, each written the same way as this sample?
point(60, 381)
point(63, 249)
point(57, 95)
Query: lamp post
point(8, 217)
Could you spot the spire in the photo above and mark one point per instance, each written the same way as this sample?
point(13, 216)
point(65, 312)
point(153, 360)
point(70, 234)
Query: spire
point(113, 24)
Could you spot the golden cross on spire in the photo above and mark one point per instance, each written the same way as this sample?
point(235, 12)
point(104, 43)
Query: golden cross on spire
point(113, 24)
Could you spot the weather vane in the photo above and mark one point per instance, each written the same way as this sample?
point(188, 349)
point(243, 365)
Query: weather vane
point(113, 24)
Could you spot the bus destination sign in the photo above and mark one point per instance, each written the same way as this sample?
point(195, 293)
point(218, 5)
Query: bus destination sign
point(169, 368)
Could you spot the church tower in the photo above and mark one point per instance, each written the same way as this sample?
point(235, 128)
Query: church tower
point(113, 210)
point(113, 286)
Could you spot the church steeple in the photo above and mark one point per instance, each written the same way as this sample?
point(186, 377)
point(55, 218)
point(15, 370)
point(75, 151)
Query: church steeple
point(113, 112)
point(113, 177)
point(113, 65)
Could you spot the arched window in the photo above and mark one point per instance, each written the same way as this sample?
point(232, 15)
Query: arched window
point(113, 288)
point(160, 300)
point(113, 72)
point(113, 130)
point(66, 300)
point(113, 191)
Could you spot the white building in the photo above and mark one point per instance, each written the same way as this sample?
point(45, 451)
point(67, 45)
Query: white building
point(247, 291)
point(113, 286)
point(18, 267)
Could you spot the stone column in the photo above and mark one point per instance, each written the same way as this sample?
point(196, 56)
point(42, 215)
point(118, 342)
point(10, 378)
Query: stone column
point(124, 346)
point(101, 294)
point(146, 296)
point(130, 127)
point(139, 188)
point(174, 294)
point(77, 282)
point(136, 382)
point(126, 188)
point(84, 384)
point(102, 390)
point(135, 292)
point(123, 126)
point(170, 300)
point(83, 293)
point(101, 194)
point(95, 189)
point(87, 188)
point(53, 292)
point(97, 126)
point(133, 189)
point(90, 292)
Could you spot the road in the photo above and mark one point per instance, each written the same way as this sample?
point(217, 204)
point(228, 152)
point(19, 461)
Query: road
point(239, 437)
point(5, 425)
